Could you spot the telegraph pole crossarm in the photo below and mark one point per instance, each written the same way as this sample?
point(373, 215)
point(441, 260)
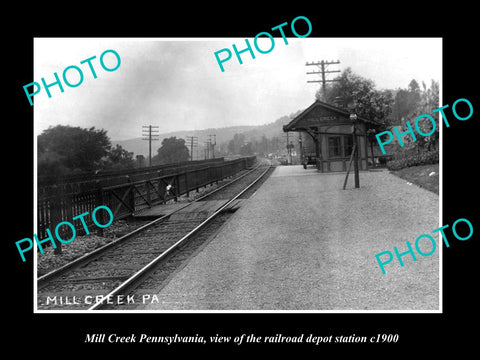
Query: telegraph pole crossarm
point(193, 140)
point(150, 133)
point(323, 71)
point(212, 144)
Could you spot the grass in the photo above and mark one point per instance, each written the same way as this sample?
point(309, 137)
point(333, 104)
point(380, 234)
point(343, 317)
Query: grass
point(420, 175)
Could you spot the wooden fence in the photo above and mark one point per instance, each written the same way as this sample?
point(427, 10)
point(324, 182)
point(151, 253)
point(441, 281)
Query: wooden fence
point(124, 194)
point(107, 174)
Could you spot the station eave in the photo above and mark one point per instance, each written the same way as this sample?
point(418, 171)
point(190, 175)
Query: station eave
point(291, 126)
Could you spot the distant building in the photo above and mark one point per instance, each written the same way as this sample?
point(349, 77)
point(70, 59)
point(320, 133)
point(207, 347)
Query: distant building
point(326, 133)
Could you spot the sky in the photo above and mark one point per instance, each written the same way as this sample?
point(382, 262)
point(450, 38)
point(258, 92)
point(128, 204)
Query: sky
point(176, 84)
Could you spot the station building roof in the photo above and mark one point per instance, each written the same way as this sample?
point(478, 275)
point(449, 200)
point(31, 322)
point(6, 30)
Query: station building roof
point(321, 113)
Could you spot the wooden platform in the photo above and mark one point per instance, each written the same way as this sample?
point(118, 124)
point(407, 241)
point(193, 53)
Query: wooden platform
point(158, 210)
point(304, 244)
point(199, 207)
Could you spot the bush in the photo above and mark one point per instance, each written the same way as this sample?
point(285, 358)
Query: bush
point(382, 160)
point(424, 158)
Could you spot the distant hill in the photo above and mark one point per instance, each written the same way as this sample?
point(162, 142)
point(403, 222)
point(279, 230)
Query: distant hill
point(222, 135)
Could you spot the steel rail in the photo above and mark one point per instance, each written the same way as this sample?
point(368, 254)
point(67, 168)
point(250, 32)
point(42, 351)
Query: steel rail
point(130, 282)
point(99, 251)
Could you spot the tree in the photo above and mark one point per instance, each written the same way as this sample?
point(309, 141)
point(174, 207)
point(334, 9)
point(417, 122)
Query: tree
point(352, 91)
point(246, 149)
point(71, 149)
point(411, 103)
point(236, 143)
point(406, 100)
point(140, 161)
point(263, 146)
point(119, 158)
point(414, 89)
point(429, 99)
point(50, 166)
point(172, 150)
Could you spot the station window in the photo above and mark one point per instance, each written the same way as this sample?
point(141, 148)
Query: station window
point(334, 146)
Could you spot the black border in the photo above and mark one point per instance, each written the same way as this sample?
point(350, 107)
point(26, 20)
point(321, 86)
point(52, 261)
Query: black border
point(417, 331)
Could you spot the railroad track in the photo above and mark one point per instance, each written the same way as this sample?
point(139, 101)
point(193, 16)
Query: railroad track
point(109, 273)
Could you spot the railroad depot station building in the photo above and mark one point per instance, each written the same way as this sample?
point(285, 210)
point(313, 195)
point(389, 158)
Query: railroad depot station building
point(326, 134)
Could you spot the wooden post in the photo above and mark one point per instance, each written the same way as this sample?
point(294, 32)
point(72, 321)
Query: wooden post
point(56, 214)
point(187, 188)
point(349, 165)
point(176, 187)
point(99, 201)
point(373, 157)
point(161, 188)
point(148, 184)
point(131, 195)
point(353, 117)
point(317, 139)
point(355, 162)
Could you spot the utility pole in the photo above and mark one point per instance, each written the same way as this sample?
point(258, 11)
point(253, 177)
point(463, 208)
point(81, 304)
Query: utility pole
point(150, 133)
point(212, 144)
point(354, 117)
point(193, 140)
point(354, 155)
point(323, 65)
point(207, 149)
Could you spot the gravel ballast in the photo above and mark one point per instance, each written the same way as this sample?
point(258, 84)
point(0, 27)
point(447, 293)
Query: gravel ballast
point(303, 243)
